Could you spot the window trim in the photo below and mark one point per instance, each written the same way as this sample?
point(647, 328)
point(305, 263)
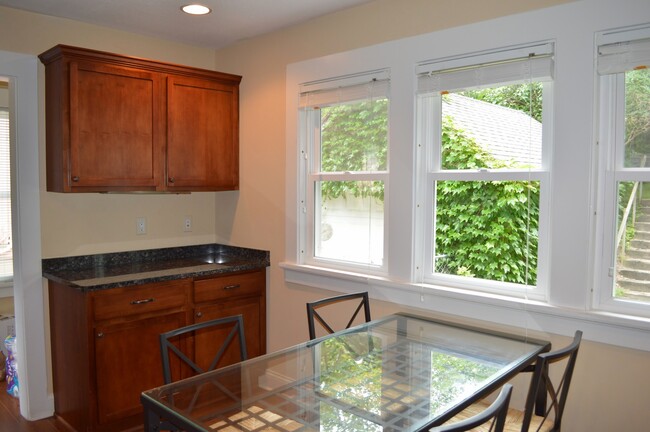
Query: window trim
point(345, 88)
point(429, 171)
point(571, 272)
point(7, 281)
point(610, 169)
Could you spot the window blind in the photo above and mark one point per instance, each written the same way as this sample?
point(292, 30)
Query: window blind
point(6, 256)
point(508, 66)
point(369, 86)
point(623, 56)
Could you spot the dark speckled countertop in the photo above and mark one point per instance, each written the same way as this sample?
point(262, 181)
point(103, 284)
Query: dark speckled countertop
point(112, 270)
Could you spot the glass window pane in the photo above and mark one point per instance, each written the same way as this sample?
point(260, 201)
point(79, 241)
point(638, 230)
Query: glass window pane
point(350, 215)
point(493, 128)
point(354, 136)
point(632, 280)
point(637, 118)
point(487, 230)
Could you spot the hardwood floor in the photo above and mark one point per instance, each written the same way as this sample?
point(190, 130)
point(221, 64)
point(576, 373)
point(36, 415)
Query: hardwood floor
point(12, 421)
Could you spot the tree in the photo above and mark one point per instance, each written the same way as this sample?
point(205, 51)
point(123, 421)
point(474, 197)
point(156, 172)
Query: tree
point(484, 229)
point(522, 97)
point(354, 137)
point(637, 115)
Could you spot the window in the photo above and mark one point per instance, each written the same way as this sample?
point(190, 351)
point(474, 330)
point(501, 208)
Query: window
point(623, 278)
point(484, 169)
point(344, 145)
point(6, 254)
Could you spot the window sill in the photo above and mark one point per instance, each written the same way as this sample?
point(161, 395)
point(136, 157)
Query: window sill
point(614, 329)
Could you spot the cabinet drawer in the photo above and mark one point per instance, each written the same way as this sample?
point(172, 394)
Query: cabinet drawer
point(141, 299)
point(224, 287)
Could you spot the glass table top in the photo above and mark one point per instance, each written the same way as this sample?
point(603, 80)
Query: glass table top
point(399, 373)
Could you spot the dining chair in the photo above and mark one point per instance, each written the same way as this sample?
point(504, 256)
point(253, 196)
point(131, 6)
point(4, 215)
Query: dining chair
point(542, 392)
point(177, 341)
point(491, 419)
point(313, 314)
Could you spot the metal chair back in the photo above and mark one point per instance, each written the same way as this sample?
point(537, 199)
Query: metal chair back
point(544, 392)
point(175, 341)
point(314, 316)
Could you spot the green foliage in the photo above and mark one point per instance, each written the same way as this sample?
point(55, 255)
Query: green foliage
point(523, 97)
point(484, 229)
point(449, 376)
point(354, 137)
point(637, 115)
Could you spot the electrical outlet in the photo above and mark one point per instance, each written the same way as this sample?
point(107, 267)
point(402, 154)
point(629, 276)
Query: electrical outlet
point(187, 224)
point(140, 226)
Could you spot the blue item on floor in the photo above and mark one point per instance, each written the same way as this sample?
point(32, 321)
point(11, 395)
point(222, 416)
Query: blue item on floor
point(12, 372)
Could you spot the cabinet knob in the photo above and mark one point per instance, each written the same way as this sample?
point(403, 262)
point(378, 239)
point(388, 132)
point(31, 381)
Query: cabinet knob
point(100, 335)
point(171, 179)
point(199, 314)
point(75, 178)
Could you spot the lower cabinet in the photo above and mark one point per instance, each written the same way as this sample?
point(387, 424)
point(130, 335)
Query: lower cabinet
point(105, 343)
point(127, 358)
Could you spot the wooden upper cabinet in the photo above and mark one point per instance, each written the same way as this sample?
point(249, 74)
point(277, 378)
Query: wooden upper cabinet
point(118, 123)
point(202, 135)
point(117, 135)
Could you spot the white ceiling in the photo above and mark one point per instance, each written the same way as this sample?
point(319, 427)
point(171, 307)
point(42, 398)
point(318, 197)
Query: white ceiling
point(229, 22)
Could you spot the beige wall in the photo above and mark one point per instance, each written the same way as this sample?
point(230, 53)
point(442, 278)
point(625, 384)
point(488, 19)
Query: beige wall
point(76, 224)
point(610, 384)
point(610, 387)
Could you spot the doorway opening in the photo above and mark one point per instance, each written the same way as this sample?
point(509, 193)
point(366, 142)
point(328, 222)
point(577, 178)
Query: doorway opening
point(7, 320)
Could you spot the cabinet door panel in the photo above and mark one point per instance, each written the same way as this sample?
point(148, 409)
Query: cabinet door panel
point(127, 361)
point(117, 126)
point(202, 135)
point(206, 342)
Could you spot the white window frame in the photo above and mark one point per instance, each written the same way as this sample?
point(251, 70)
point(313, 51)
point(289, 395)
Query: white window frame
point(571, 263)
point(310, 175)
point(611, 65)
point(496, 68)
point(7, 282)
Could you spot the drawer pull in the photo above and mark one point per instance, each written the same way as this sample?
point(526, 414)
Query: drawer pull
point(199, 314)
point(230, 287)
point(100, 335)
point(143, 301)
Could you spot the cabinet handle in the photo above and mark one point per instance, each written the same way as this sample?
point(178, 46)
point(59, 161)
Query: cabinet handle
point(199, 314)
point(100, 335)
point(143, 301)
point(229, 287)
point(75, 178)
point(171, 180)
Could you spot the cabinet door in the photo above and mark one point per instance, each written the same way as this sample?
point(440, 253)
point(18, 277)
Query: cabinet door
point(202, 135)
point(127, 361)
point(117, 134)
point(206, 342)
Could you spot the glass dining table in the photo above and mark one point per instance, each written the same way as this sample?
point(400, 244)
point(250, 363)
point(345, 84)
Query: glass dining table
point(401, 372)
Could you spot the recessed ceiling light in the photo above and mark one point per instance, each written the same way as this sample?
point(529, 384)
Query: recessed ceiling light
point(196, 9)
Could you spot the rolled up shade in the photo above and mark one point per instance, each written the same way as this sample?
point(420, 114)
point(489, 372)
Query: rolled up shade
point(509, 66)
point(375, 85)
point(623, 56)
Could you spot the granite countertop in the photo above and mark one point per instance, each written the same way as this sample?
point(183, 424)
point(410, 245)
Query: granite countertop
point(119, 269)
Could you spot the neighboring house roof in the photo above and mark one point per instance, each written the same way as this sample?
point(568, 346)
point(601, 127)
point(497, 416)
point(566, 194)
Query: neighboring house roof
point(506, 133)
